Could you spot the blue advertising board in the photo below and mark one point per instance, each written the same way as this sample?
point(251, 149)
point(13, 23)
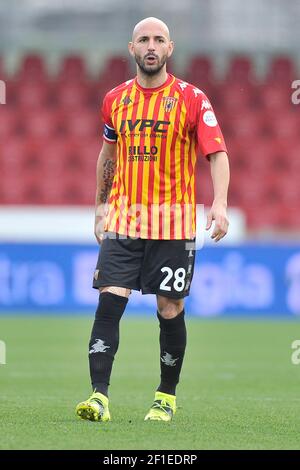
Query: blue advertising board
point(236, 280)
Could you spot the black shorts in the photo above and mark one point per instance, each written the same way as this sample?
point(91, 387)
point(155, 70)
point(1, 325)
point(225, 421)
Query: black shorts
point(163, 267)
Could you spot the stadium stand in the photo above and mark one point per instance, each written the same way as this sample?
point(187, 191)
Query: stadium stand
point(32, 68)
point(50, 133)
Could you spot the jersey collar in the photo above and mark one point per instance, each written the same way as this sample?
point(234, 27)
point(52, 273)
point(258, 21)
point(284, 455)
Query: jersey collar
point(168, 82)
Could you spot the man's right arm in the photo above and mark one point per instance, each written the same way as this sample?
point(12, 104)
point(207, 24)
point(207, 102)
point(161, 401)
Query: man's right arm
point(106, 166)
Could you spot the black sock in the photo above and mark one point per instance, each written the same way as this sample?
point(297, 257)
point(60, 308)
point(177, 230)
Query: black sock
point(104, 340)
point(172, 341)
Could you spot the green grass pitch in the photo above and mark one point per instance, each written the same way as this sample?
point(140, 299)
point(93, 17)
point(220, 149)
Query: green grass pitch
point(238, 390)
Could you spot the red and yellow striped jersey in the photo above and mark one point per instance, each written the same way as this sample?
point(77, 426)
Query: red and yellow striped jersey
point(158, 132)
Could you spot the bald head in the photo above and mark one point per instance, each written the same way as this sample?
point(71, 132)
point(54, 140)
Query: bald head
point(150, 24)
point(151, 47)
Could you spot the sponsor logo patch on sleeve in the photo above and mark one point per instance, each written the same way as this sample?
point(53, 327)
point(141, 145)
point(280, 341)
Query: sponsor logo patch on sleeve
point(210, 119)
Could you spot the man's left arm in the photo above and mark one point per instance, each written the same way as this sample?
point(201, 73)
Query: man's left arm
point(220, 174)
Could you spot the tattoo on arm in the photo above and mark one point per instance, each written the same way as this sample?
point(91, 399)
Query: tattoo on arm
point(108, 176)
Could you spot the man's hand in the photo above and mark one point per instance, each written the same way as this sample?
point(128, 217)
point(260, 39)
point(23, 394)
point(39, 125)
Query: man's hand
point(106, 166)
point(99, 228)
point(219, 215)
point(101, 212)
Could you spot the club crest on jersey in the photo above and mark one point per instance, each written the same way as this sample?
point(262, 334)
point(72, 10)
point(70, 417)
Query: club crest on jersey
point(126, 101)
point(169, 103)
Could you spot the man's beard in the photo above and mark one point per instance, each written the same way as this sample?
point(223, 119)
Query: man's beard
point(150, 70)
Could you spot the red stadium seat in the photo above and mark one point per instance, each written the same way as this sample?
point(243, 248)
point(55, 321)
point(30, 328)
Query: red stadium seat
point(31, 95)
point(70, 190)
point(204, 188)
point(73, 69)
point(9, 123)
point(290, 218)
point(2, 69)
point(288, 189)
point(259, 159)
point(12, 155)
point(275, 97)
point(21, 188)
point(11, 92)
point(62, 179)
point(21, 175)
point(84, 124)
point(65, 158)
point(32, 69)
point(87, 194)
point(236, 98)
point(249, 125)
point(12, 190)
point(53, 158)
point(253, 188)
point(117, 70)
point(42, 124)
point(287, 153)
point(235, 151)
point(290, 156)
point(97, 93)
point(200, 72)
point(281, 70)
point(264, 217)
point(240, 71)
point(71, 95)
point(86, 152)
point(284, 125)
point(52, 191)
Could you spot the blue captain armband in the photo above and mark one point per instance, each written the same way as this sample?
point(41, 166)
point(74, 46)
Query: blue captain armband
point(109, 134)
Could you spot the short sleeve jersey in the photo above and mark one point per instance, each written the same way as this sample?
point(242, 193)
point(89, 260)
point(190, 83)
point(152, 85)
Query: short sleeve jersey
point(159, 132)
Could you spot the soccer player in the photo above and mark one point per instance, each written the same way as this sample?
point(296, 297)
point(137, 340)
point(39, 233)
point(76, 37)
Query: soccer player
point(154, 126)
